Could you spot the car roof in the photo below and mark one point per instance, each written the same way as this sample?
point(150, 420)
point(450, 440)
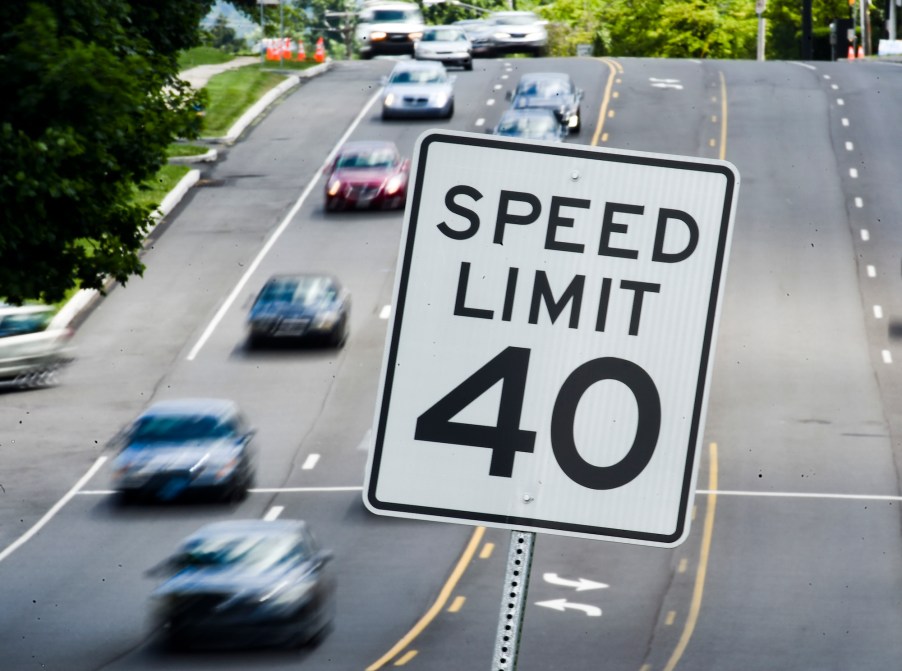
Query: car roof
point(444, 26)
point(528, 111)
point(298, 277)
point(192, 406)
point(255, 527)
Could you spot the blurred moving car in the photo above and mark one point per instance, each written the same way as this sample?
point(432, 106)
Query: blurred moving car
point(245, 582)
point(31, 349)
point(518, 32)
point(388, 28)
point(479, 32)
point(418, 89)
point(367, 174)
point(446, 44)
point(300, 306)
point(531, 124)
point(185, 445)
point(550, 90)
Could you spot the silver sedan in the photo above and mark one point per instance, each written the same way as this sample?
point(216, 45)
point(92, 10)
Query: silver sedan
point(418, 89)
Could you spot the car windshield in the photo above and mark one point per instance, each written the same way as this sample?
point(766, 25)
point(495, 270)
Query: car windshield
point(21, 324)
point(528, 126)
point(368, 158)
point(545, 88)
point(178, 429)
point(256, 553)
point(394, 16)
point(418, 77)
point(299, 291)
point(448, 35)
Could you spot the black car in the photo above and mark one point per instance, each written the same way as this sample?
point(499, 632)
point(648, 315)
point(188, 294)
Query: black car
point(182, 446)
point(295, 307)
point(245, 583)
point(550, 90)
point(531, 124)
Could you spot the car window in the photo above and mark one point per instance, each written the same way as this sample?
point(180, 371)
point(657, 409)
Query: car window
point(546, 88)
point(22, 324)
point(179, 428)
point(395, 16)
point(299, 291)
point(252, 553)
point(443, 36)
point(527, 126)
point(418, 77)
point(380, 158)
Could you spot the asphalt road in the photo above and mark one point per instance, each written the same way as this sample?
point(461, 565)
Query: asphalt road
point(794, 557)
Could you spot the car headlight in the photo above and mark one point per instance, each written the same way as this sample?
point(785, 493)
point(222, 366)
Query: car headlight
point(378, 35)
point(394, 185)
point(325, 320)
point(389, 100)
point(285, 595)
point(414, 36)
point(334, 187)
point(441, 99)
point(502, 36)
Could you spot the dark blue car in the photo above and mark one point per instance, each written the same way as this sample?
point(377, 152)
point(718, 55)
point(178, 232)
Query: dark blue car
point(531, 124)
point(554, 91)
point(300, 307)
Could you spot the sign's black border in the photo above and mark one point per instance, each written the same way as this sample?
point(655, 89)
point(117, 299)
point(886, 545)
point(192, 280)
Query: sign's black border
point(575, 151)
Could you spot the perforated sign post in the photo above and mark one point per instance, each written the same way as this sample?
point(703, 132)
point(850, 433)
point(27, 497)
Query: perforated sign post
point(553, 324)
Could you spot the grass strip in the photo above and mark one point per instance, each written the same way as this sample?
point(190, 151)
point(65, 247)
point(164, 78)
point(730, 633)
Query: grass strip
point(231, 93)
point(191, 58)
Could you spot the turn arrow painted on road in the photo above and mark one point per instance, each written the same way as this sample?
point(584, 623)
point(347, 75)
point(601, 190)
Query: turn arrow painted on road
point(580, 584)
point(562, 604)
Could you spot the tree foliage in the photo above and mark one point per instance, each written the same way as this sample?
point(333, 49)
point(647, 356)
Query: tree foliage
point(91, 100)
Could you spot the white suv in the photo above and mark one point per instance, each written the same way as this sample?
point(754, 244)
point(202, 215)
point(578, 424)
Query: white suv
point(389, 28)
point(31, 349)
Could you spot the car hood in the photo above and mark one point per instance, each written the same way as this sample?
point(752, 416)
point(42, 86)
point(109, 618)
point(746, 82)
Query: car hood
point(288, 309)
point(222, 580)
point(535, 102)
point(443, 45)
point(369, 176)
point(176, 456)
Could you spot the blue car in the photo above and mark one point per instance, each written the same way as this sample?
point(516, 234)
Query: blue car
point(554, 91)
point(531, 124)
point(300, 307)
point(185, 446)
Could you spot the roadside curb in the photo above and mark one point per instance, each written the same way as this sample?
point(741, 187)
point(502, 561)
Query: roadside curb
point(84, 298)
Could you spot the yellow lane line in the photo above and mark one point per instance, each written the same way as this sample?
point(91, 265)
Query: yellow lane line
point(696, 604)
point(410, 654)
point(606, 99)
point(439, 604)
point(457, 604)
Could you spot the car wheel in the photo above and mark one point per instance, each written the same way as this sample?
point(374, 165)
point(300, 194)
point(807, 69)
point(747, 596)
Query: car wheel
point(450, 111)
point(579, 122)
point(339, 336)
point(468, 65)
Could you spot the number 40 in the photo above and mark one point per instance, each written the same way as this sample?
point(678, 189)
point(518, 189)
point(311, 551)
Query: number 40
point(506, 438)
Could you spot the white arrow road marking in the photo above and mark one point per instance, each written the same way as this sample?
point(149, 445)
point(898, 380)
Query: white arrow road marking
point(562, 604)
point(581, 584)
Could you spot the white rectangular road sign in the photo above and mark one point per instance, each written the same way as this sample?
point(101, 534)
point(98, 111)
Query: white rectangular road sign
point(555, 315)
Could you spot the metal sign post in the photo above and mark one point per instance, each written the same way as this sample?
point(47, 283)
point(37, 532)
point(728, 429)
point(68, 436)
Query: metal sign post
point(513, 600)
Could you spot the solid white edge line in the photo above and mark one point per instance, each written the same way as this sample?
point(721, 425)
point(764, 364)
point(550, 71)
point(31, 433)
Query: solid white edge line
point(803, 495)
point(253, 490)
point(37, 526)
point(277, 233)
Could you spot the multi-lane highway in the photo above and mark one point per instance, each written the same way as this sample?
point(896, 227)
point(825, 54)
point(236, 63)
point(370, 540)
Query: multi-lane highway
point(795, 555)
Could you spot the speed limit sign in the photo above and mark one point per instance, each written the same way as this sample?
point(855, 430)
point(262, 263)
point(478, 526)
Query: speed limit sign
point(555, 313)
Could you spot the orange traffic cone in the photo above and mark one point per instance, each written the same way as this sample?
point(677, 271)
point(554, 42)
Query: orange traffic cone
point(286, 49)
point(860, 51)
point(272, 53)
point(302, 55)
point(320, 54)
point(851, 54)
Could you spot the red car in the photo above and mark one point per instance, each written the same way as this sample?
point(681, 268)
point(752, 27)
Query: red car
point(368, 174)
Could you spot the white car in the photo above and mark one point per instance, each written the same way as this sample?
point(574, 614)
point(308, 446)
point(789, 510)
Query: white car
point(517, 32)
point(389, 29)
point(447, 44)
point(418, 89)
point(31, 350)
